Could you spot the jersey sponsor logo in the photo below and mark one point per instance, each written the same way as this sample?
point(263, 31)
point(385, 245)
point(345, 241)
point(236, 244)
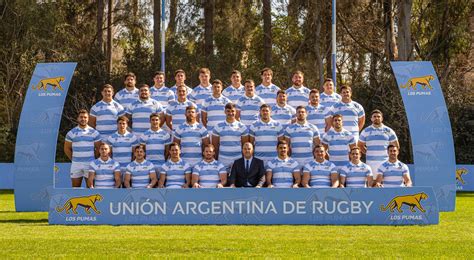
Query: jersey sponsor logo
point(459, 173)
point(55, 83)
point(87, 202)
point(411, 201)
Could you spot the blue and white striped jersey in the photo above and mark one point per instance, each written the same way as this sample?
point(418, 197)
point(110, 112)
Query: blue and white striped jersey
point(266, 138)
point(122, 145)
point(191, 136)
point(268, 94)
point(338, 145)
point(329, 100)
point(317, 116)
point(351, 112)
point(209, 173)
point(155, 142)
point(320, 173)
point(126, 98)
point(302, 139)
point(230, 147)
point(106, 115)
point(141, 111)
point(356, 174)
point(83, 140)
point(234, 93)
point(163, 95)
point(282, 171)
point(377, 140)
point(175, 173)
point(104, 173)
point(393, 173)
point(298, 96)
point(140, 173)
point(249, 108)
point(215, 110)
point(283, 115)
point(189, 90)
point(200, 93)
point(177, 111)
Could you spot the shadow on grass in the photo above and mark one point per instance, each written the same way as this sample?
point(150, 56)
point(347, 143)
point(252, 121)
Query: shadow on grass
point(24, 221)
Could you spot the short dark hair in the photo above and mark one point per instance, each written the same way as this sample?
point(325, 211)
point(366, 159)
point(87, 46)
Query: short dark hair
point(281, 91)
point(346, 87)
point(376, 111)
point(337, 115)
point(108, 86)
point(123, 118)
point(158, 73)
point(82, 111)
point(217, 81)
point(144, 86)
point(230, 106)
point(190, 107)
point(300, 107)
point(265, 106)
point(179, 71)
point(142, 146)
point(204, 71)
point(173, 144)
point(392, 146)
point(282, 142)
point(266, 69)
point(154, 115)
point(129, 74)
point(249, 81)
point(297, 72)
point(314, 91)
point(236, 72)
point(327, 79)
point(209, 146)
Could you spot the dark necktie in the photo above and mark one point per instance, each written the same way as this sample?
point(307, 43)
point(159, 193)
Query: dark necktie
point(247, 166)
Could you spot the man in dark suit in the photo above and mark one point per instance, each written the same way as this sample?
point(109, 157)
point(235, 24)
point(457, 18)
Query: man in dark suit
point(247, 171)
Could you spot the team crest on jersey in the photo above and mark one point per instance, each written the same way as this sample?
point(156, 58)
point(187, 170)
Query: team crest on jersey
point(412, 201)
point(86, 202)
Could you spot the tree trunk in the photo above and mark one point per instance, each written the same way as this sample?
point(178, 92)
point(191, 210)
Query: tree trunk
point(469, 76)
point(391, 50)
point(100, 25)
point(109, 37)
point(404, 31)
point(156, 31)
point(267, 32)
point(208, 27)
point(172, 21)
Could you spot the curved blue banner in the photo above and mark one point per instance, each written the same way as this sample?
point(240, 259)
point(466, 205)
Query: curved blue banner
point(430, 129)
point(371, 206)
point(38, 129)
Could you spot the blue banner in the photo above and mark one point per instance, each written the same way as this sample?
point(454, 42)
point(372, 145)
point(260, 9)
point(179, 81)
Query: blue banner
point(38, 129)
point(465, 177)
point(371, 206)
point(430, 129)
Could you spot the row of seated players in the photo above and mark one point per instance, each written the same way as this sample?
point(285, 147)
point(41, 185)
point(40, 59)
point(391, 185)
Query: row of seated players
point(248, 171)
point(81, 142)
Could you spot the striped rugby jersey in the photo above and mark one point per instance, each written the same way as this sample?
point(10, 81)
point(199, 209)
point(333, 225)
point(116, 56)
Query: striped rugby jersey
point(282, 171)
point(126, 98)
point(106, 114)
point(140, 173)
point(141, 111)
point(298, 96)
point(215, 110)
point(234, 93)
point(191, 136)
point(230, 147)
point(249, 108)
point(209, 173)
point(317, 116)
point(155, 142)
point(122, 145)
point(355, 174)
point(266, 138)
point(104, 173)
point(329, 100)
point(83, 140)
point(283, 115)
point(302, 139)
point(338, 145)
point(268, 94)
point(163, 95)
point(175, 173)
point(320, 173)
point(351, 112)
point(393, 173)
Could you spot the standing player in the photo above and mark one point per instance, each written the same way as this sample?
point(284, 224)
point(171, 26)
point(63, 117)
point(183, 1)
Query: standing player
point(265, 134)
point(302, 136)
point(316, 112)
point(352, 112)
point(104, 172)
point(281, 111)
point(392, 172)
point(159, 91)
point(248, 105)
point(122, 143)
point(320, 173)
point(297, 94)
point(329, 97)
point(228, 137)
point(175, 173)
point(338, 142)
point(104, 113)
point(192, 136)
point(209, 173)
point(175, 112)
point(140, 173)
point(129, 94)
point(267, 90)
point(356, 174)
point(204, 90)
point(156, 141)
point(375, 139)
point(141, 109)
point(283, 171)
point(236, 90)
point(80, 146)
point(213, 108)
point(180, 78)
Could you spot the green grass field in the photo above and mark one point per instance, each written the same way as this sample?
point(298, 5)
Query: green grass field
point(28, 235)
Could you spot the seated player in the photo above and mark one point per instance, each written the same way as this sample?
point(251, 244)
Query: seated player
point(392, 172)
point(320, 173)
point(356, 174)
point(140, 173)
point(209, 173)
point(104, 172)
point(175, 173)
point(283, 171)
point(80, 146)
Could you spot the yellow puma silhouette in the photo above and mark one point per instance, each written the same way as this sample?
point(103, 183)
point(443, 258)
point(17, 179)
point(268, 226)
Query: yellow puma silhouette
point(54, 82)
point(87, 202)
point(459, 173)
point(423, 81)
point(410, 200)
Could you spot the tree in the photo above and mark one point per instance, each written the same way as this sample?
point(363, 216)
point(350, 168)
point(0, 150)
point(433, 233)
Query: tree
point(267, 32)
point(109, 37)
point(208, 28)
point(156, 31)
point(405, 46)
point(100, 24)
